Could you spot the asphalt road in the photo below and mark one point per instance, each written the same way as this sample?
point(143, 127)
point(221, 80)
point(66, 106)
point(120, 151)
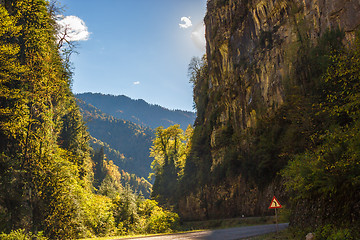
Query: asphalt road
point(222, 234)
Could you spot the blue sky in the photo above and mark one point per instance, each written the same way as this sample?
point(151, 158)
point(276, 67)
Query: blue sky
point(137, 48)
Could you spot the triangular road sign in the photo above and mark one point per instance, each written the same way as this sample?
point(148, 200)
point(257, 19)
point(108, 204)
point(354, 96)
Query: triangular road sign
point(275, 203)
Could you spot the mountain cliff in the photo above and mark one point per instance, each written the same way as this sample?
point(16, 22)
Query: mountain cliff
point(252, 46)
point(256, 94)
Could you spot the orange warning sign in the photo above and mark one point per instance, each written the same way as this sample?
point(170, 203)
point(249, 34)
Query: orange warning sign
point(275, 203)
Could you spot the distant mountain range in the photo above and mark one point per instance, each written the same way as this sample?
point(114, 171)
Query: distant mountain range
point(138, 111)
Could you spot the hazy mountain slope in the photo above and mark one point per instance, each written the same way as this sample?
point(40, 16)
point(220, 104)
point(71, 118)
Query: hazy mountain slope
point(124, 142)
point(138, 111)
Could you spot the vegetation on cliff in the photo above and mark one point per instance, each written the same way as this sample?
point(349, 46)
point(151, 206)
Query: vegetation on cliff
point(327, 175)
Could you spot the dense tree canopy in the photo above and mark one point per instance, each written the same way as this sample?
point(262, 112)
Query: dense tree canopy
point(46, 173)
point(169, 150)
point(331, 170)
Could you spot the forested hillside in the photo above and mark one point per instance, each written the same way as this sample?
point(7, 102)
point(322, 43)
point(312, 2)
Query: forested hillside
point(277, 102)
point(107, 175)
point(126, 143)
point(138, 111)
point(47, 187)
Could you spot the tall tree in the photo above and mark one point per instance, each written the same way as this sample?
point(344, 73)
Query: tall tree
point(169, 151)
point(12, 105)
point(44, 153)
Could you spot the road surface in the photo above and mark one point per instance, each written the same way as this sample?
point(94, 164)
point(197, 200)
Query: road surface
point(222, 234)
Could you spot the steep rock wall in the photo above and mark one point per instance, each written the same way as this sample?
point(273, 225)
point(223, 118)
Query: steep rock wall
point(250, 49)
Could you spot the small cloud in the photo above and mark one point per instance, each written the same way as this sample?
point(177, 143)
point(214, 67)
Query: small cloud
point(74, 27)
point(136, 83)
point(186, 22)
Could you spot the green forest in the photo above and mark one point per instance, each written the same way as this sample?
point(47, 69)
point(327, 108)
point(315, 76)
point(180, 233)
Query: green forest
point(52, 185)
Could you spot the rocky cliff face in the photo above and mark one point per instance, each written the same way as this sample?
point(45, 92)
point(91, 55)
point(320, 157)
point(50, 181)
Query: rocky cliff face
point(248, 48)
point(252, 54)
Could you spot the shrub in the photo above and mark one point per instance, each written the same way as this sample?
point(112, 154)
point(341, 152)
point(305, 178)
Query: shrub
point(331, 232)
point(21, 234)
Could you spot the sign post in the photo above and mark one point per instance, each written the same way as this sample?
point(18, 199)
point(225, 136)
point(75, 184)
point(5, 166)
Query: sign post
point(275, 204)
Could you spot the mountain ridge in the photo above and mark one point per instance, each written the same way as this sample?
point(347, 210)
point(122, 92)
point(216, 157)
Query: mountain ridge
point(138, 110)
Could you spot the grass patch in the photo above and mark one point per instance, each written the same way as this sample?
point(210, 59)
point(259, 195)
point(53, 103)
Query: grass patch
point(291, 233)
point(283, 235)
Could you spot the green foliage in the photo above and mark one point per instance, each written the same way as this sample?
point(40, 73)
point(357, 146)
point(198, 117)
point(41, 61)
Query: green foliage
point(46, 173)
point(154, 219)
point(129, 212)
point(198, 73)
point(109, 180)
point(196, 170)
point(126, 211)
point(332, 168)
point(99, 216)
point(133, 214)
point(22, 235)
point(169, 150)
point(45, 166)
point(161, 221)
point(333, 232)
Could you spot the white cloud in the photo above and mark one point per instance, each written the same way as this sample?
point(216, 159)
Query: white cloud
point(75, 28)
point(198, 36)
point(136, 83)
point(186, 22)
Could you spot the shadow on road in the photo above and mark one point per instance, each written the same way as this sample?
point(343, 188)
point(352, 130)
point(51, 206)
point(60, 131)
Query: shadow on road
point(221, 234)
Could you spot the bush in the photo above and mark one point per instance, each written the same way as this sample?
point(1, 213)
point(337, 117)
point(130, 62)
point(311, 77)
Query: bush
point(156, 219)
point(21, 234)
point(330, 232)
point(98, 215)
point(161, 221)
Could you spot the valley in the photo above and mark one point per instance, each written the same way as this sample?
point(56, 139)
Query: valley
point(276, 101)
